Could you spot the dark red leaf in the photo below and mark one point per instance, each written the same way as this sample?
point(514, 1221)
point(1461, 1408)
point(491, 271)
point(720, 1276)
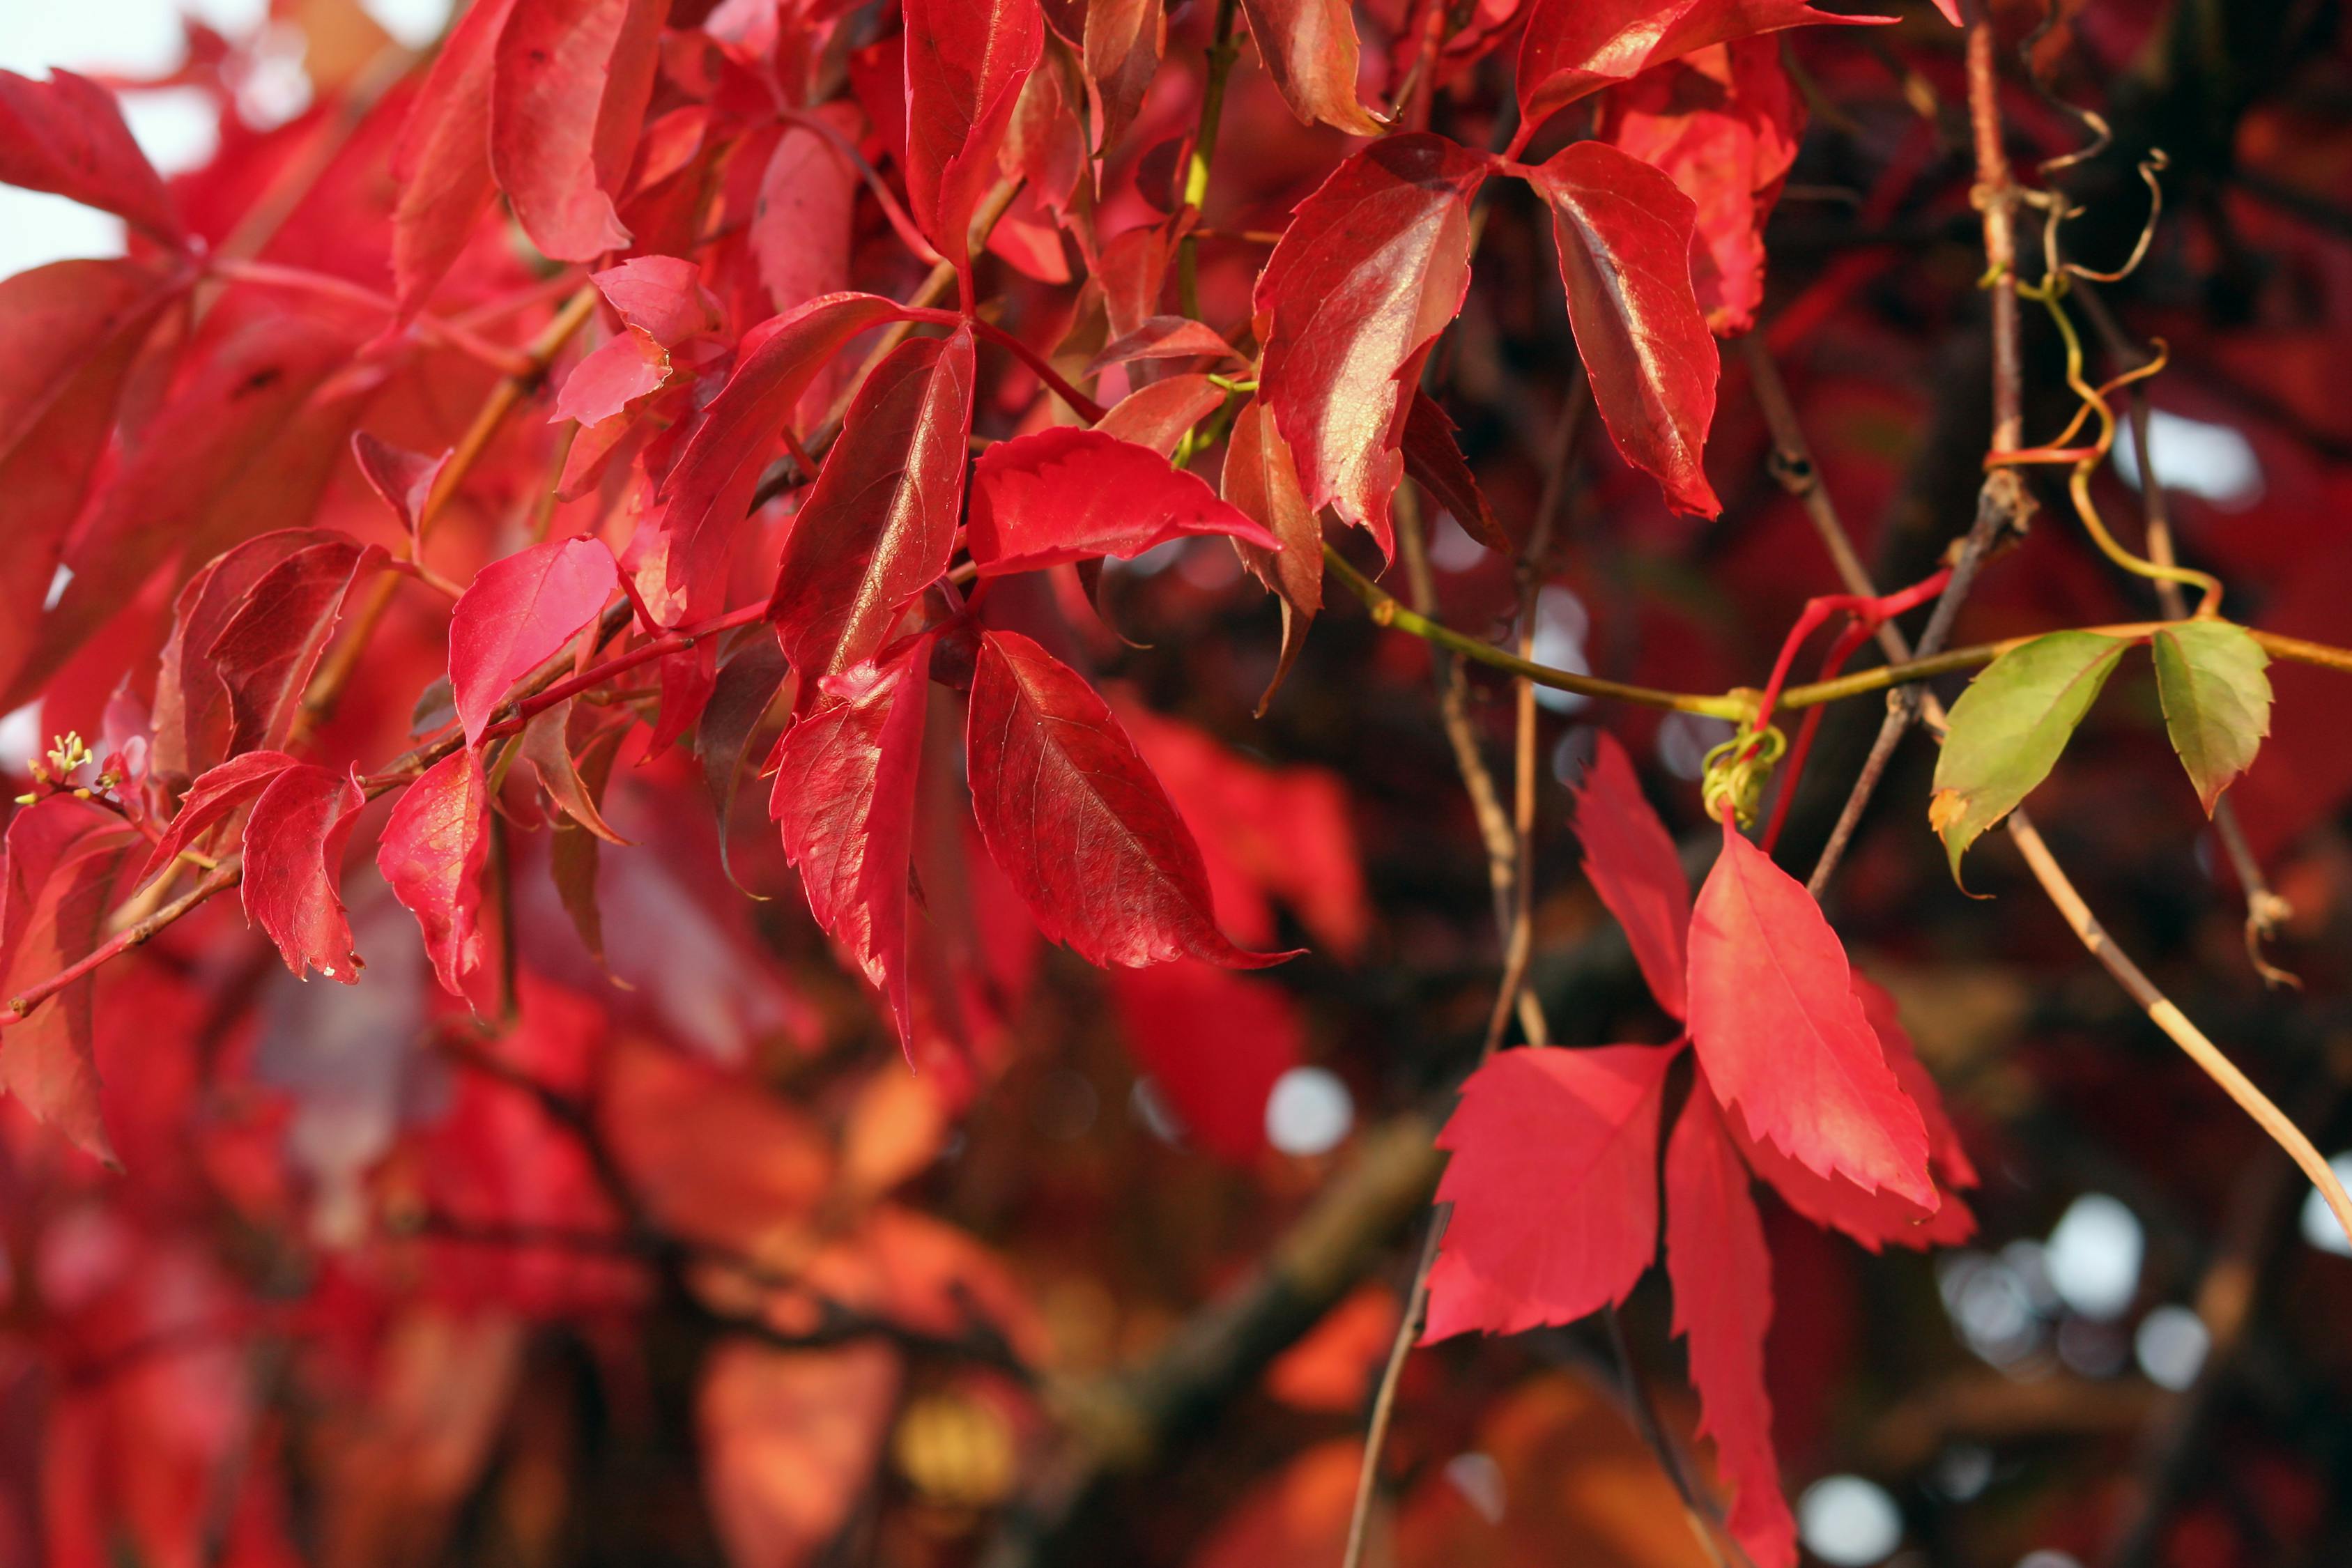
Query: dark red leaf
point(845, 798)
point(1065, 494)
point(404, 478)
point(705, 493)
point(574, 852)
point(1623, 232)
point(1945, 1152)
point(745, 690)
point(1311, 50)
point(1875, 1220)
point(879, 525)
point(966, 62)
point(433, 853)
point(1724, 124)
point(546, 745)
point(68, 335)
point(294, 840)
point(516, 613)
point(1433, 458)
point(218, 792)
point(265, 655)
point(1782, 1038)
point(1215, 1043)
point(1722, 1278)
point(1078, 824)
point(568, 87)
point(1554, 1183)
point(442, 164)
point(1120, 50)
point(1162, 337)
point(66, 135)
point(1261, 478)
point(1630, 861)
point(1575, 48)
point(192, 705)
point(1158, 415)
point(62, 860)
point(1373, 266)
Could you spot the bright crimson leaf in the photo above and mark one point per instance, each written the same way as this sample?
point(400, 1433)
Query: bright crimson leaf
point(1625, 242)
point(193, 720)
point(1945, 1152)
point(1630, 861)
point(516, 613)
point(705, 494)
point(1065, 494)
point(1874, 1220)
point(1782, 1038)
point(294, 840)
point(1157, 415)
point(1371, 268)
point(66, 135)
point(1311, 50)
point(1723, 123)
point(1575, 48)
point(1121, 48)
point(879, 523)
point(966, 62)
point(1076, 821)
point(1162, 337)
point(1554, 1185)
point(660, 296)
point(1722, 1278)
point(220, 790)
point(433, 853)
point(442, 162)
point(568, 87)
point(845, 798)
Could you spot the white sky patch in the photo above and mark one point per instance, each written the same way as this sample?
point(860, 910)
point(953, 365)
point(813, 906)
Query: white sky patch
point(2095, 1255)
point(2195, 458)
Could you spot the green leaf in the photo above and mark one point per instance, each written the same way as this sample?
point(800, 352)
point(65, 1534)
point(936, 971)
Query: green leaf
point(2217, 700)
point(2008, 727)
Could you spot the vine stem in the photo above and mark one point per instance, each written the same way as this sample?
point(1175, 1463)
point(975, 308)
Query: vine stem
point(1192, 183)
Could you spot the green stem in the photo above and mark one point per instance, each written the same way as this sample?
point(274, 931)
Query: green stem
point(1195, 191)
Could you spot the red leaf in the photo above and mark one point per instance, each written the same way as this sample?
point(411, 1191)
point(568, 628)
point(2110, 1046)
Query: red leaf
point(1373, 266)
point(442, 164)
point(1945, 1152)
point(219, 792)
point(1575, 48)
point(1722, 1278)
point(845, 798)
point(1214, 1043)
point(1724, 124)
point(746, 688)
point(1625, 242)
point(1434, 460)
point(660, 296)
point(1261, 478)
point(568, 87)
point(516, 613)
point(966, 61)
point(613, 375)
point(1120, 50)
point(433, 852)
point(56, 887)
point(294, 842)
point(788, 1440)
point(1630, 861)
point(1079, 826)
point(879, 523)
point(192, 705)
point(1065, 494)
point(1875, 1220)
point(1162, 337)
point(1782, 1038)
point(546, 745)
point(1554, 1186)
point(404, 478)
point(705, 493)
point(66, 135)
point(265, 655)
point(1158, 415)
point(1311, 50)
point(68, 335)
point(803, 224)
